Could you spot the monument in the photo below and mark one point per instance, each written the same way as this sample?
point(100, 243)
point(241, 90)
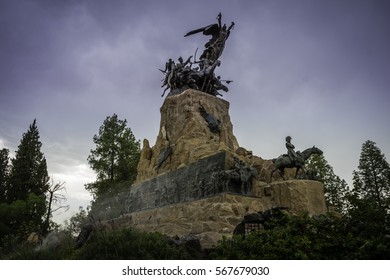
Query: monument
point(196, 179)
point(183, 75)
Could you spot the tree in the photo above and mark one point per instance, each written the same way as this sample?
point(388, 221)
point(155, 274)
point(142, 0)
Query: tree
point(369, 199)
point(28, 183)
point(29, 169)
point(371, 181)
point(4, 173)
point(115, 157)
point(74, 225)
point(335, 188)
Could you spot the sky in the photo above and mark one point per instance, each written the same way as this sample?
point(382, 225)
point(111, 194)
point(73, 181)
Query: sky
point(316, 70)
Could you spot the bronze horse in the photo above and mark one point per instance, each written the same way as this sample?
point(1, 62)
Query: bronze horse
point(284, 161)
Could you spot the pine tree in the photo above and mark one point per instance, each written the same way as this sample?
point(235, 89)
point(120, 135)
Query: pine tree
point(115, 157)
point(4, 209)
point(371, 181)
point(4, 172)
point(28, 183)
point(335, 188)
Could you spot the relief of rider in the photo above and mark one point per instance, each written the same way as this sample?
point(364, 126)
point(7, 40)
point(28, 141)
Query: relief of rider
point(290, 149)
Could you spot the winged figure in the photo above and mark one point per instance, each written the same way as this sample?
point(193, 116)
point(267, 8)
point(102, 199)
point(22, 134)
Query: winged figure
point(219, 34)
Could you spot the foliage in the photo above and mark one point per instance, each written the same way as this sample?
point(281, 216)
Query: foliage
point(335, 188)
point(123, 244)
point(60, 247)
point(301, 237)
point(130, 244)
point(28, 183)
point(370, 198)
point(29, 169)
point(4, 173)
point(280, 239)
point(371, 182)
point(24, 184)
point(367, 217)
point(14, 218)
point(75, 223)
point(283, 237)
point(115, 157)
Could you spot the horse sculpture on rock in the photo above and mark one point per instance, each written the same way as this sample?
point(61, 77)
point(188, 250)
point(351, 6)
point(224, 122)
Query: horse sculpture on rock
point(284, 161)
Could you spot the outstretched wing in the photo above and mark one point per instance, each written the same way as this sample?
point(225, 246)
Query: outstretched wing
point(211, 29)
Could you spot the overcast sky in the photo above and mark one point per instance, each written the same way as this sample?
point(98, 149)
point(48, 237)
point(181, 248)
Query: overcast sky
point(316, 70)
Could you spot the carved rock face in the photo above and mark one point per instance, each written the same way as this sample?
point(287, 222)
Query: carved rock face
point(183, 128)
point(217, 216)
point(212, 122)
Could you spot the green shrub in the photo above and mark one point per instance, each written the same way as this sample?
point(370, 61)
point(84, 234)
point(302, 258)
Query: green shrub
point(301, 237)
point(63, 248)
point(130, 244)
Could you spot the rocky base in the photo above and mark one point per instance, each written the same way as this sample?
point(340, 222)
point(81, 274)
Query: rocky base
point(298, 195)
point(214, 217)
point(193, 125)
point(209, 218)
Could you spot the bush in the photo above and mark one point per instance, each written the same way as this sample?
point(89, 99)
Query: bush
point(301, 237)
point(130, 244)
point(56, 246)
point(283, 237)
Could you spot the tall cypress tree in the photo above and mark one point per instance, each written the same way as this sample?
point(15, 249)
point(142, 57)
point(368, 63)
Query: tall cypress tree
point(28, 183)
point(370, 196)
point(372, 179)
point(4, 172)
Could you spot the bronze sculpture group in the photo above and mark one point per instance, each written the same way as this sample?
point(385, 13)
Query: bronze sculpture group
point(182, 75)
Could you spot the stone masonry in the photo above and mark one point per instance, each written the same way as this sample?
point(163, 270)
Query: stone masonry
point(196, 179)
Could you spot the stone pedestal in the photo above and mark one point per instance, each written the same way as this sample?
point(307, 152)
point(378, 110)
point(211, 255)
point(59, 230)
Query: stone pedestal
point(208, 218)
point(184, 129)
point(213, 217)
point(298, 196)
point(197, 180)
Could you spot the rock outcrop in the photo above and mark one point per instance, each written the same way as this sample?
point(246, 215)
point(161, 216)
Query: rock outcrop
point(193, 125)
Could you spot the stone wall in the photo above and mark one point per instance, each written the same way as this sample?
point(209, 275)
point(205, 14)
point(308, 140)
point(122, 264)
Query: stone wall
point(208, 218)
point(188, 183)
point(214, 217)
point(204, 178)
